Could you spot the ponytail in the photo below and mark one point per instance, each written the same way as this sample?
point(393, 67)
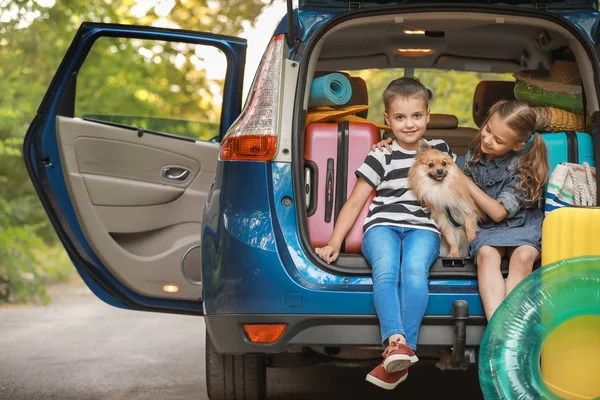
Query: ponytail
point(533, 168)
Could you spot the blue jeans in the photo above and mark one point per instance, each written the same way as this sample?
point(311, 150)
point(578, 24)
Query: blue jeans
point(400, 258)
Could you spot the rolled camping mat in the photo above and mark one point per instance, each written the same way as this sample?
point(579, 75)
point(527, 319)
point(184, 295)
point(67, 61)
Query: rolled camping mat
point(330, 90)
point(545, 98)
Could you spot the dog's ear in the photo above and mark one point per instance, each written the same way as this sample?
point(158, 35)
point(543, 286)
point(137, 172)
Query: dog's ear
point(423, 145)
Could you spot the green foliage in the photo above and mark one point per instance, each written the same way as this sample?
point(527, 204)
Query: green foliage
point(54, 263)
point(453, 91)
point(33, 41)
point(20, 279)
point(149, 78)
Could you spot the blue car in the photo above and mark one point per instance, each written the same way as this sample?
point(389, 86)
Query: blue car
point(215, 223)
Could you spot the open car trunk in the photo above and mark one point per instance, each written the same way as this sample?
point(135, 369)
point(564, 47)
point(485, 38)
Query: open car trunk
point(472, 39)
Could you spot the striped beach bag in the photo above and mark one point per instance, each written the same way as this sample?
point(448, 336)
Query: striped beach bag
point(571, 185)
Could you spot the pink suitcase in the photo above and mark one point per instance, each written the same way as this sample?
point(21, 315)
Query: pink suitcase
point(332, 153)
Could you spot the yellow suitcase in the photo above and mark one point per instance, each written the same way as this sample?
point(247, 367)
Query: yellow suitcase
point(571, 354)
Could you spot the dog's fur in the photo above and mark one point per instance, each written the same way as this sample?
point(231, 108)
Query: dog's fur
point(440, 185)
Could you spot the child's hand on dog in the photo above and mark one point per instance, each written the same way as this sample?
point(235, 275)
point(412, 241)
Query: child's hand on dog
point(328, 253)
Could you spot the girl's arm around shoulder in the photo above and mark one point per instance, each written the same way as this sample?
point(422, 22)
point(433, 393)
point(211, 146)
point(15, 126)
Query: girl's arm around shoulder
point(493, 208)
point(385, 143)
point(346, 219)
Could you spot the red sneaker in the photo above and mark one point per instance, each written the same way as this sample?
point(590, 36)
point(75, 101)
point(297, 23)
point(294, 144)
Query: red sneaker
point(398, 356)
point(379, 377)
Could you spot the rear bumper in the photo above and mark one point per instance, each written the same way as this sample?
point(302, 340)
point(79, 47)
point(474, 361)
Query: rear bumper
point(228, 336)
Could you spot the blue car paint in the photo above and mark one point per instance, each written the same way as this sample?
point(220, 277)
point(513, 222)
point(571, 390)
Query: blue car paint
point(250, 242)
point(308, 22)
point(585, 22)
point(44, 130)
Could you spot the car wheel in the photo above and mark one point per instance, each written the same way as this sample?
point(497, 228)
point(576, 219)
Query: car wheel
point(234, 377)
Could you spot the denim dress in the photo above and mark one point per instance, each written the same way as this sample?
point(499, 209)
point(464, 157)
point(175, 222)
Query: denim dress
point(499, 179)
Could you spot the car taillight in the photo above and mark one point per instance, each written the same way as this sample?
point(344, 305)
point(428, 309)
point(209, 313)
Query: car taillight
point(264, 333)
point(254, 135)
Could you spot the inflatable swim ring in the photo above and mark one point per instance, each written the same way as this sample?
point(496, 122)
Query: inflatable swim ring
point(509, 356)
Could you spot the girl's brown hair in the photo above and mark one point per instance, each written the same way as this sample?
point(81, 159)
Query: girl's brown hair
point(533, 162)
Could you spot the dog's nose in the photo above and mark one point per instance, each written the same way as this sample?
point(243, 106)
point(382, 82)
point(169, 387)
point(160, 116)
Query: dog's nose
point(439, 171)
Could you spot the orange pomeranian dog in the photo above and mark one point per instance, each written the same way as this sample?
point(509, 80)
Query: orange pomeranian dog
point(440, 185)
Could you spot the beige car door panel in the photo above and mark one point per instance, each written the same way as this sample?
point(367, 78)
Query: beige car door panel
point(142, 226)
point(187, 208)
point(113, 157)
point(150, 243)
point(110, 191)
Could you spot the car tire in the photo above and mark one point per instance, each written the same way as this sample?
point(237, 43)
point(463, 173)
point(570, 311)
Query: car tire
point(235, 377)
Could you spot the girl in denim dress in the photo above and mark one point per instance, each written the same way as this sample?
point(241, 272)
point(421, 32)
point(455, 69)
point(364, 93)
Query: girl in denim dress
point(508, 178)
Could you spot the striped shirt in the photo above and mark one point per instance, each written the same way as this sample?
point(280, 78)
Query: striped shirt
point(394, 203)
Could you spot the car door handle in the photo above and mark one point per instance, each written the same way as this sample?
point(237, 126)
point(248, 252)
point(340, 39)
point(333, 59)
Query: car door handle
point(175, 173)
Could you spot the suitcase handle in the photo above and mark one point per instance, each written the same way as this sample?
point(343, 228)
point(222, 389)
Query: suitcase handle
point(329, 189)
point(311, 181)
point(307, 186)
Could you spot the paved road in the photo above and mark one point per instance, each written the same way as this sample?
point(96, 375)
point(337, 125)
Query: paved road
point(80, 348)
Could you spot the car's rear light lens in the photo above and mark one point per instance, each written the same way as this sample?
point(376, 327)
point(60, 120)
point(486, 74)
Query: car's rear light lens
point(249, 147)
point(254, 135)
point(264, 333)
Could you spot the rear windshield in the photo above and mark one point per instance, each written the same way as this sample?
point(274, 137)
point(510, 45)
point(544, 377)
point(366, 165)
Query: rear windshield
point(452, 90)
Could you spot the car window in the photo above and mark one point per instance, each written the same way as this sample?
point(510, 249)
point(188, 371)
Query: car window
point(452, 90)
point(172, 88)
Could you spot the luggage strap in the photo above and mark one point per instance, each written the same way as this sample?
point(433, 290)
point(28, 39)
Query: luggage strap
point(341, 181)
point(452, 220)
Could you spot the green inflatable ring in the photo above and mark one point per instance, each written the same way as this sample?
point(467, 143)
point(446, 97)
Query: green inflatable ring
point(509, 357)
